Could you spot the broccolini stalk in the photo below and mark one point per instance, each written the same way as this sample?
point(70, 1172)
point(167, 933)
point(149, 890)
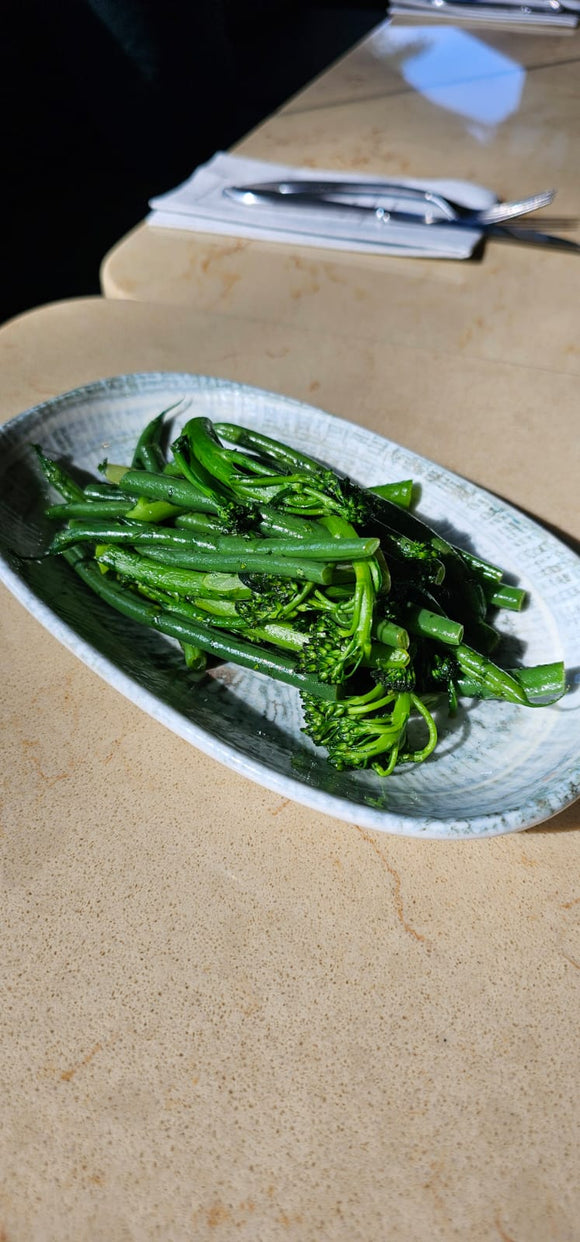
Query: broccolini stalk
point(183, 582)
point(341, 640)
point(276, 664)
point(223, 614)
point(309, 490)
point(492, 678)
point(465, 670)
point(273, 599)
point(542, 684)
point(229, 612)
point(281, 457)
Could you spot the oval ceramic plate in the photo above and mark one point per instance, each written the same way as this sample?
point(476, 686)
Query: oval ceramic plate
point(498, 767)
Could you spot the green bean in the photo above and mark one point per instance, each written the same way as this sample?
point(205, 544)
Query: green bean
point(505, 596)
point(427, 624)
point(321, 549)
point(195, 658)
point(89, 509)
point(148, 452)
point(165, 487)
point(286, 525)
point(483, 568)
point(391, 634)
point(60, 480)
point(201, 523)
point(300, 570)
point(318, 549)
point(106, 491)
point(153, 511)
point(127, 532)
point(400, 493)
point(383, 656)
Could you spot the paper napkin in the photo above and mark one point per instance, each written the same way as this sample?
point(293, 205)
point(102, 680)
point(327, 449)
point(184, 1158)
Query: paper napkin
point(199, 204)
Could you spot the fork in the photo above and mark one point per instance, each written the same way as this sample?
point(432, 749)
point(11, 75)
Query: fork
point(308, 193)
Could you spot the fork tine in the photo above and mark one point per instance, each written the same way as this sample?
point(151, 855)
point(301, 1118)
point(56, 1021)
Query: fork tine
point(509, 211)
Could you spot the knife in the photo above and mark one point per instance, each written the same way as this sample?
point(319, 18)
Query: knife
point(254, 197)
point(292, 190)
point(530, 237)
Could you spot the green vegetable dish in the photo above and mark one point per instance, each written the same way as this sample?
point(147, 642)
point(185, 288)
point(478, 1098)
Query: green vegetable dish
point(246, 550)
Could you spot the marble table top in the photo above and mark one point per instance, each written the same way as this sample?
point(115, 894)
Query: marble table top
point(224, 1015)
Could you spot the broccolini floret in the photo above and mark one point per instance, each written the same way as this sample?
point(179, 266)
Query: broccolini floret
point(368, 730)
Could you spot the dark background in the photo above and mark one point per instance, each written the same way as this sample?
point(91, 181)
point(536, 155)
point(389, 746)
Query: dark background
point(107, 102)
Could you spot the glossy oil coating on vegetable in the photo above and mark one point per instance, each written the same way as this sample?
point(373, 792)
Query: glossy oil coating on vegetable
point(246, 550)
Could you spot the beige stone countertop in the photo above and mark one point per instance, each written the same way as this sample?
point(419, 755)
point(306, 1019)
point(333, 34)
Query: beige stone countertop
point(492, 106)
point(223, 1015)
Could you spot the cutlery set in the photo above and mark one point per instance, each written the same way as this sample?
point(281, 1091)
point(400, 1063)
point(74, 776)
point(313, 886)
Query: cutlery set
point(445, 218)
point(389, 202)
point(564, 13)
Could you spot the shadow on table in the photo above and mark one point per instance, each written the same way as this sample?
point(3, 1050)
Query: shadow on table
point(113, 101)
point(566, 821)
